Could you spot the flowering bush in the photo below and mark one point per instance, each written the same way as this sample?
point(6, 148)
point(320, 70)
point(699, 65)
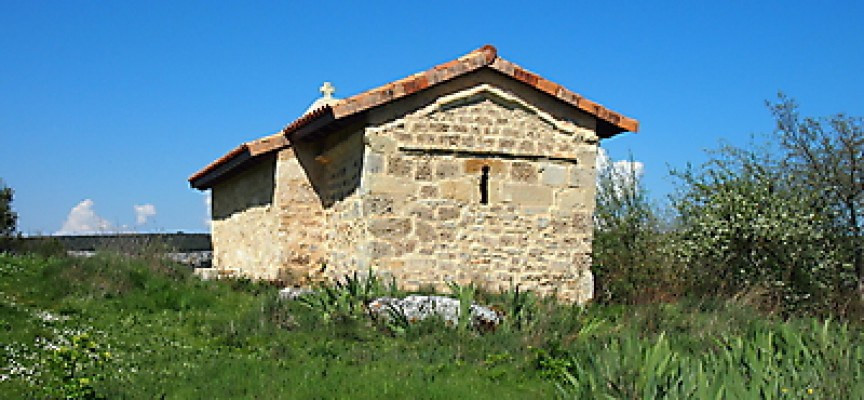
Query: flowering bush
point(743, 226)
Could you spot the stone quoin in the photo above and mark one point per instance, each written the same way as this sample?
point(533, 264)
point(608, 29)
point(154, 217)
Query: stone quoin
point(476, 170)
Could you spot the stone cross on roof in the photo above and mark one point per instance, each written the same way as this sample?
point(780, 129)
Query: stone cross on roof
point(327, 99)
point(327, 90)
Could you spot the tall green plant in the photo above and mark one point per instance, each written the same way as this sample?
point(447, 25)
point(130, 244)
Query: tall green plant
point(348, 297)
point(629, 243)
point(826, 156)
point(745, 225)
point(762, 363)
point(520, 308)
point(465, 294)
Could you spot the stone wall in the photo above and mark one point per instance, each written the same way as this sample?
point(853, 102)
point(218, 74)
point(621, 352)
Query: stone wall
point(421, 196)
point(483, 182)
point(302, 222)
point(244, 218)
point(331, 175)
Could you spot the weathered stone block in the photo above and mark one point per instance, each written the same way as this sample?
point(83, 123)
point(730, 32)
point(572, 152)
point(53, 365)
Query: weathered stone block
point(467, 141)
point(554, 175)
point(389, 227)
point(378, 205)
point(451, 140)
point(507, 144)
point(584, 222)
point(425, 233)
point(527, 195)
point(446, 169)
point(460, 190)
point(421, 212)
point(425, 168)
point(379, 250)
point(404, 138)
point(380, 143)
point(586, 156)
point(582, 176)
point(570, 200)
point(428, 192)
point(399, 166)
point(475, 166)
point(374, 163)
point(428, 139)
point(496, 192)
point(523, 171)
point(448, 212)
point(527, 147)
point(391, 185)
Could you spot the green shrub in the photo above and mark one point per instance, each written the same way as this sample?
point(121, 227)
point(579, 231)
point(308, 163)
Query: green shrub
point(631, 243)
point(744, 227)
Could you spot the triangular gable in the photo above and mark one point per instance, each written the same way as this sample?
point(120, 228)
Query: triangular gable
point(610, 122)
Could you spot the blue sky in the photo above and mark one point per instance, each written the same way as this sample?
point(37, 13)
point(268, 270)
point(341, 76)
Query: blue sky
point(119, 102)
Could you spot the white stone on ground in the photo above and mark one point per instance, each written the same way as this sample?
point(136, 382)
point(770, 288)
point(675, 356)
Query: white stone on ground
point(416, 308)
point(292, 293)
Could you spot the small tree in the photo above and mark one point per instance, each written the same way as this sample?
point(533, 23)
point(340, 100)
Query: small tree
point(744, 225)
point(8, 218)
point(629, 255)
point(826, 156)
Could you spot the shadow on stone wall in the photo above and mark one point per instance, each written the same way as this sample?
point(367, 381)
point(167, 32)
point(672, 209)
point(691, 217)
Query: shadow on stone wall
point(252, 187)
point(334, 165)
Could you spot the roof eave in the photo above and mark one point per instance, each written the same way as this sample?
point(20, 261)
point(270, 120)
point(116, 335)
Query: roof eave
point(204, 179)
point(617, 122)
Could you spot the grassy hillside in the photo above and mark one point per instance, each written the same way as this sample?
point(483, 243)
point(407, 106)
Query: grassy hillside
point(117, 327)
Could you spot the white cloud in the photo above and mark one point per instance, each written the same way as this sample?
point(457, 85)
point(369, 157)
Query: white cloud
point(144, 212)
point(622, 171)
point(83, 219)
point(621, 167)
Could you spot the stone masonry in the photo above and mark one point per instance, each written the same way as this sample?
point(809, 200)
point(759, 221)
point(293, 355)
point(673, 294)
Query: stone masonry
point(478, 179)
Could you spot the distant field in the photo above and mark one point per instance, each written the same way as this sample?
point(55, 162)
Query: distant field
point(118, 327)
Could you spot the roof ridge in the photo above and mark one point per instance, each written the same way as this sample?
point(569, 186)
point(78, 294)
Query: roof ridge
point(474, 60)
point(398, 88)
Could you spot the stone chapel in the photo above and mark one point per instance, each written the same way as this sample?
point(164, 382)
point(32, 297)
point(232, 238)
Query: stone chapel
point(476, 170)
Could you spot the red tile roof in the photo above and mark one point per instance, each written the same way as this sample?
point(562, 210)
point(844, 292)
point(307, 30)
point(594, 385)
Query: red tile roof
point(486, 56)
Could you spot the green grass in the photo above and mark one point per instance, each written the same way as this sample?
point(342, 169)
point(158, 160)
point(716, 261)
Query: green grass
point(118, 327)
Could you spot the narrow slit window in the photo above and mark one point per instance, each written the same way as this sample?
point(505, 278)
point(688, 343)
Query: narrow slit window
point(484, 185)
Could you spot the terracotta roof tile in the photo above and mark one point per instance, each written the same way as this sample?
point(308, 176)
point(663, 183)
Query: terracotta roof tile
point(255, 147)
point(216, 163)
point(619, 121)
point(267, 143)
point(414, 83)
